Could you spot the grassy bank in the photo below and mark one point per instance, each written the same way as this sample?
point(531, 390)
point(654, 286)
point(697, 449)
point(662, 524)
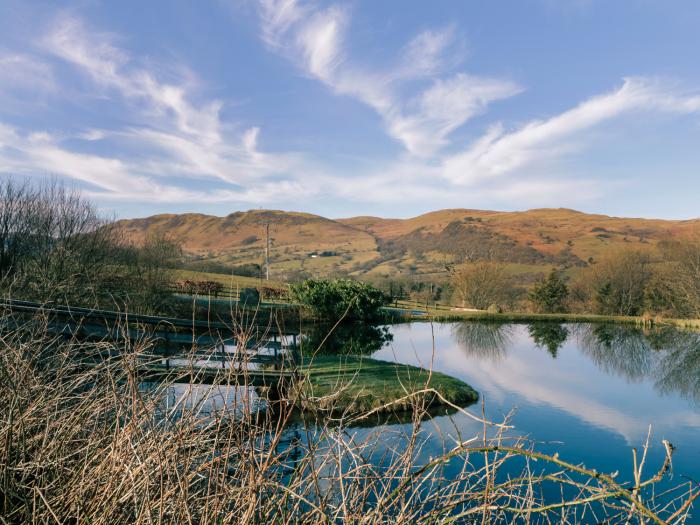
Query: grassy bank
point(357, 384)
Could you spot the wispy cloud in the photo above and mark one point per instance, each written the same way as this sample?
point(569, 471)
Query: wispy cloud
point(108, 66)
point(21, 74)
point(500, 152)
point(315, 41)
point(116, 179)
point(169, 135)
point(29, 153)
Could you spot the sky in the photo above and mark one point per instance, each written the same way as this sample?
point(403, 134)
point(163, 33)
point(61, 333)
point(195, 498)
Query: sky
point(391, 108)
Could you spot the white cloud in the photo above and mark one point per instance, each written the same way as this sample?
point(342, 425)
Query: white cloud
point(428, 53)
point(94, 54)
point(170, 136)
point(112, 178)
point(499, 152)
point(320, 39)
point(39, 152)
point(25, 82)
point(314, 40)
point(443, 108)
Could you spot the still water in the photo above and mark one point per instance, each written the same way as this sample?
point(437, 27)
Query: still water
point(587, 392)
point(590, 392)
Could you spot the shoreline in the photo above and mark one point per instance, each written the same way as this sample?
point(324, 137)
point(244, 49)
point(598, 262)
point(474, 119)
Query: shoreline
point(525, 317)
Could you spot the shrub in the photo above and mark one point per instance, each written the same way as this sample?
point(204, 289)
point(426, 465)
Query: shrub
point(251, 239)
point(684, 280)
point(209, 288)
point(339, 299)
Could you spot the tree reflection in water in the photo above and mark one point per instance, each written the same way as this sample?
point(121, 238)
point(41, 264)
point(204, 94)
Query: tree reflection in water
point(550, 336)
point(679, 368)
point(344, 339)
point(484, 340)
point(668, 357)
point(619, 350)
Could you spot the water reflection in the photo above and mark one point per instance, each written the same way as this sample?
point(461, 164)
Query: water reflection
point(550, 336)
point(679, 369)
point(345, 339)
point(668, 357)
point(176, 401)
point(484, 340)
point(619, 350)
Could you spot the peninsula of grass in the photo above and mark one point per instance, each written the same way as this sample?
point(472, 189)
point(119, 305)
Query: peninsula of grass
point(340, 383)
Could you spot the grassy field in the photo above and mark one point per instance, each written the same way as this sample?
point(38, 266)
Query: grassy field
point(415, 311)
point(356, 384)
point(230, 282)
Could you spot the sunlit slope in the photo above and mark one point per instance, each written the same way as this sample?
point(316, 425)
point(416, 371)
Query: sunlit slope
point(304, 244)
point(239, 238)
point(548, 231)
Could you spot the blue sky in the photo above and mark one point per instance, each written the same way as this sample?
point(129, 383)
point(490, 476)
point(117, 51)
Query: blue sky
point(389, 108)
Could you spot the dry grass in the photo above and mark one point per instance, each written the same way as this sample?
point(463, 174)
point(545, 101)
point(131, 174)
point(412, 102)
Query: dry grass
point(90, 444)
point(230, 282)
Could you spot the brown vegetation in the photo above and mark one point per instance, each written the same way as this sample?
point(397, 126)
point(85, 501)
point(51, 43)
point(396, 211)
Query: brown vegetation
point(55, 247)
point(633, 282)
point(420, 249)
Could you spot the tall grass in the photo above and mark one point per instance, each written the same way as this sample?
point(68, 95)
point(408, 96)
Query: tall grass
point(83, 440)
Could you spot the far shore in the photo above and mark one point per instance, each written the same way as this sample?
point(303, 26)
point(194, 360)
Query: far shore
point(461, 314)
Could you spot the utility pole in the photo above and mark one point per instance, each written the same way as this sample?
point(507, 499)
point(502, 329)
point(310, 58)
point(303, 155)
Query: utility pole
point(267, 251)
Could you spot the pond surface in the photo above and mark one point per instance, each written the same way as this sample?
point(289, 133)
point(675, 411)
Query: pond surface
point(590, 392)
point(587, 392)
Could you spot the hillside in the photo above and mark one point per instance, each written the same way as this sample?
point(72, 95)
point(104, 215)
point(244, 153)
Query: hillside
point(421, 247)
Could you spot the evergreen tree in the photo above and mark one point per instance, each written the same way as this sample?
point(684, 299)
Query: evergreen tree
point(550, 293)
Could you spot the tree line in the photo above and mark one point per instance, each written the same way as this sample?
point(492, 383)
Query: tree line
point(628, 282)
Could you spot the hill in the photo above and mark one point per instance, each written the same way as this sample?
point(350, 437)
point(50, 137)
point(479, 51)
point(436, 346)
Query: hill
point(422, 247)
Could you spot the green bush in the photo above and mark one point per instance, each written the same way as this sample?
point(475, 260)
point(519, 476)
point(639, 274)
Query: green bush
point(339, 299)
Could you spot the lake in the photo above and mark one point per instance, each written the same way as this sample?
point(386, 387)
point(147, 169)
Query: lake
point(589, 392)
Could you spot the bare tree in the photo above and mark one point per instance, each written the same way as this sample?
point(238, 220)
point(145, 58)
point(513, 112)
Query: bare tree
point(54, 244)
point(683, 276)
point(147, 280)
point(618, 282)
point(481, 284)
point(18, 203)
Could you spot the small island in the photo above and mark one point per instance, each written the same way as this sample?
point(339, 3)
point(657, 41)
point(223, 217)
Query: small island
point(357, 384)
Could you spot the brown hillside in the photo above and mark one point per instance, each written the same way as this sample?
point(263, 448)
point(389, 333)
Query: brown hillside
point(304, 244)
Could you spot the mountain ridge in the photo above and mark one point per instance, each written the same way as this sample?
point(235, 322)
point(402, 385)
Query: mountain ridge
point(305, 244)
